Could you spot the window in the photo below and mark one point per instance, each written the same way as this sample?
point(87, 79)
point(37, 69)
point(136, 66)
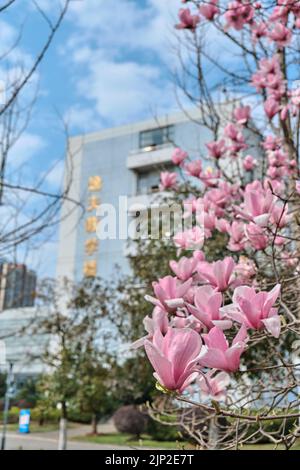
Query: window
point(156, 137)
point(148, 182)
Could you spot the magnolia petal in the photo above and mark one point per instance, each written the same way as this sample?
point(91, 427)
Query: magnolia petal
point(222, 324)
point(273, 325)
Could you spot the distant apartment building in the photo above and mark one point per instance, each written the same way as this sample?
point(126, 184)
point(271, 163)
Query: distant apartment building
point(17, 286)
point(22, 342)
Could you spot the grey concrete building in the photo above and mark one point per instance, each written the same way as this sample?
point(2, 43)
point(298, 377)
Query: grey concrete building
point(21, 343)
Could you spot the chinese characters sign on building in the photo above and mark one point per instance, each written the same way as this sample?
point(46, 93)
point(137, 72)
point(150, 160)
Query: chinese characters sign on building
point(91, 244)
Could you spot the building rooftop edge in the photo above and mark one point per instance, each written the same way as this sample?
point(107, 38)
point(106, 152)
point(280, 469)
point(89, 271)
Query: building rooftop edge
point(162, 120)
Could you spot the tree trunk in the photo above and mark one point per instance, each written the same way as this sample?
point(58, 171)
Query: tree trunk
point(95, 424)
point(63, 425)
point(213, 434)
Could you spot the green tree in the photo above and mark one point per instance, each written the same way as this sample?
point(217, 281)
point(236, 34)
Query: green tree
point(2, 385)
point(94, 395)
point(73, 357)
point(28, 393)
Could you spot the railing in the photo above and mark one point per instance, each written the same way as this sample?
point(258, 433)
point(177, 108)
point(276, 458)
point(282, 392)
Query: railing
point(150, 148)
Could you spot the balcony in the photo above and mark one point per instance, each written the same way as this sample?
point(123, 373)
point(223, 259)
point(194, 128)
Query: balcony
point(147, 157)
point(142, 202)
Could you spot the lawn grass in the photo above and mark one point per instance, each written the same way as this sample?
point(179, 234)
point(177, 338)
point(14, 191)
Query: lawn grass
point(268, 447)
point(126, 440)
point(36, 428)
point(146, 441)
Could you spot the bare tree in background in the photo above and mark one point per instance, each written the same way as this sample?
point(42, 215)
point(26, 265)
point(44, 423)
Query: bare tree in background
point(28, 210)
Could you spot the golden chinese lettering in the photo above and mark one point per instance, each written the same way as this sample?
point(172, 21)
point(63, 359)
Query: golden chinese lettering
point(95, 183)
point(94, 202)
point(91, 224)
point(90, 268)
point(91, 246)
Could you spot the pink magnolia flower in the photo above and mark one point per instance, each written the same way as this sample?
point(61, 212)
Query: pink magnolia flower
point(235, 135)
point(257, 205)
point(297, 186)
point(209, 177)
point(209, 222)
point(186, 322)
point(279, 215)
point(214, 386)
point(256, 236)
point(249, 163)
point(174, 357)
point(242, 114)
point(245, 271)
point(281, 35)
point(237, 14)
point(223, 225)
point(280, 241)
point(179, 156)
point(199, 255)
point(190, 206)
point(218, 354)
point(277, 158)
point(184, 268)
point(259, 31)
point(280, 12)
point(232, 131)
point(210, 10)
point(187, 20)
point(159, 321)
point(255, 309)
point(272, 143)
point(206, 308)
point(169, 293)
point(237, 236)
point(218, 198)
point(216, 149)
point(192, 239)
point(269, 76)
point(218, 274)
point(271, 107)
point(194, 168)
point(168, 180)
point(275, 172)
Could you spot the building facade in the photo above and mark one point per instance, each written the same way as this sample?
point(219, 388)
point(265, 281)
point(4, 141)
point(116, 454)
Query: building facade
point(17, 286)
point(122, 162)
point(100, 167)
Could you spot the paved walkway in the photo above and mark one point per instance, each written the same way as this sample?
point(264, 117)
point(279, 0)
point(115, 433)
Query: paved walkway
point(49, 440)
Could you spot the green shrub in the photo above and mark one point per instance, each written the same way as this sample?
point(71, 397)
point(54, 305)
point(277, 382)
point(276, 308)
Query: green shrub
point(274, 426)
point(13, 415)
point(78, 416)
point(131, 420)
point(41, 415)
point(163, 432)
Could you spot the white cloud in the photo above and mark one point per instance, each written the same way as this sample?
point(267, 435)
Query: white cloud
point(26, 147)
point(122, 91)
point(81, 118)
point(133, 22)
point(118, 57)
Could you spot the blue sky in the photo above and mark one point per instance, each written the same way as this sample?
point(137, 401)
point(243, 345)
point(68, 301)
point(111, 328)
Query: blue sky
point(109, 64)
